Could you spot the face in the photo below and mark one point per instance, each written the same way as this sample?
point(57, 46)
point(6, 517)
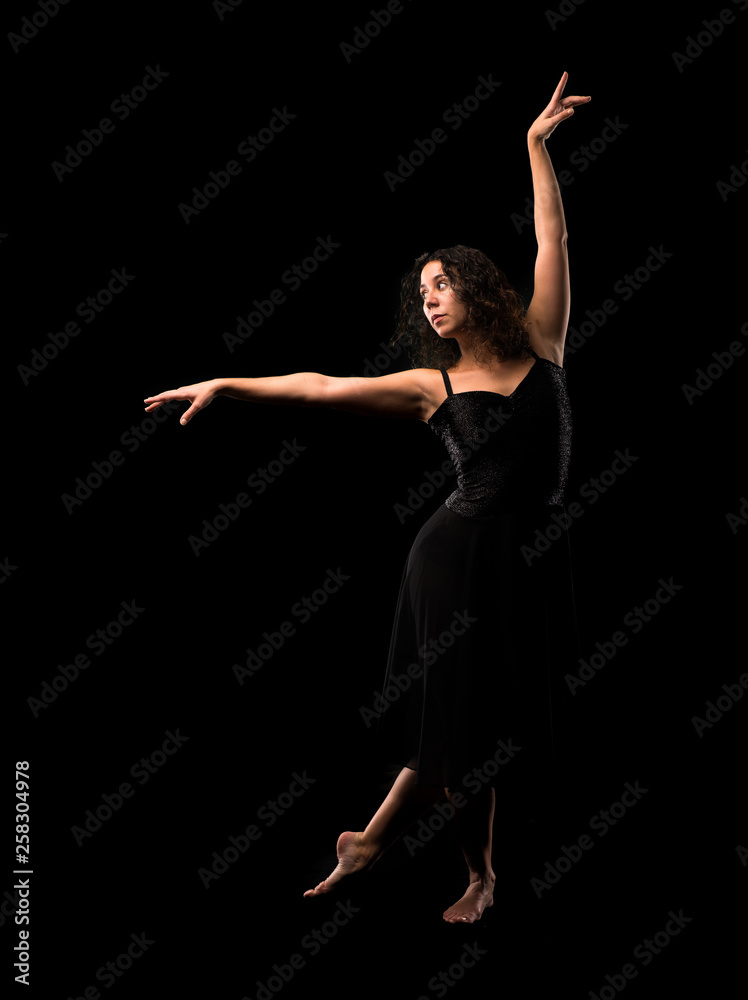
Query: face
point(442, 309)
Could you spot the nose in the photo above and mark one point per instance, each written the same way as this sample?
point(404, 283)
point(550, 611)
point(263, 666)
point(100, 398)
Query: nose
point(431, 300)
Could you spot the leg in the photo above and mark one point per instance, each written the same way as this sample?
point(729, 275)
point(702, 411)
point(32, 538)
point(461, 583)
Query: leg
point(357, 852)
point(474, 824)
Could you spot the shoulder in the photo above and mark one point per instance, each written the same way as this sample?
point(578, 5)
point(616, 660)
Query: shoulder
point(423, 381)
point(431, 389)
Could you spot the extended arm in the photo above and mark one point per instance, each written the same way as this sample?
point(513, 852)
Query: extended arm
point(404, 394)
point(548, 312)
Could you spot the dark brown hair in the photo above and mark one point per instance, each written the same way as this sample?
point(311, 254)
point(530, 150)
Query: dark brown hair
point(495, 311)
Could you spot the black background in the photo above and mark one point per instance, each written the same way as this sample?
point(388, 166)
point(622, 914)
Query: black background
point(69, 566)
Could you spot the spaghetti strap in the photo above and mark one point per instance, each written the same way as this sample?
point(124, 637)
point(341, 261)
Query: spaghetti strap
point(446, 381)
point(533, 353)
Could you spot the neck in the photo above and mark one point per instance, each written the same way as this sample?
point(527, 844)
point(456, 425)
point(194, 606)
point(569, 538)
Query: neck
point(467, 359)
point(469, 362)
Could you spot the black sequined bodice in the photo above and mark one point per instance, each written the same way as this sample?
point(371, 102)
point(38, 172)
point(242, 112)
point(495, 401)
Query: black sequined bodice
point(509, 452)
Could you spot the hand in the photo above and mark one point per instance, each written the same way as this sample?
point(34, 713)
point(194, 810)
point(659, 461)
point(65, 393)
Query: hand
point(200, 395)
point(556, 112)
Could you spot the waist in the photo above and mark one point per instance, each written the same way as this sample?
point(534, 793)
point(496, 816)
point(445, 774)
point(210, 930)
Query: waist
point(494, 505)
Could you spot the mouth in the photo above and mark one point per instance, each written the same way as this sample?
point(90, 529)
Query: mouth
point(435, 319)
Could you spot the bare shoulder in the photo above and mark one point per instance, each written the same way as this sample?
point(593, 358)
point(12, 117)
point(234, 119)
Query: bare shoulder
point(428, 386)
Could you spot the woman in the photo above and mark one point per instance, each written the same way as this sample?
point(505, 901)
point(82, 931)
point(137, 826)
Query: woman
point(475, 615)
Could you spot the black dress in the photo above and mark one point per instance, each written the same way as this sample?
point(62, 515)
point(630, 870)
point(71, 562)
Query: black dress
point(485, 622)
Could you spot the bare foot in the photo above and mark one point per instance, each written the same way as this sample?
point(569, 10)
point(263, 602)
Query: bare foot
point(479, 897)
point(353, 857)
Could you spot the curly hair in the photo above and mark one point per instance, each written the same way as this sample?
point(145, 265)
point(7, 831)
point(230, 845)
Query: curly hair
point(495, 311)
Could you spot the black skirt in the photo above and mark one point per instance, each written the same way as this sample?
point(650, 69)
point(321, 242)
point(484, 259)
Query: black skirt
point(484, 632)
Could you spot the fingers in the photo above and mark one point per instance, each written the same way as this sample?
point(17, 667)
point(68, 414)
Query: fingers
point(567, 102)
point(188, 393)
point(560, 87)
point(162, 397)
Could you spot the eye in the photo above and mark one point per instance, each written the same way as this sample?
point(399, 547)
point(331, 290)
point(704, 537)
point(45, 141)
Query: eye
point(439, 284)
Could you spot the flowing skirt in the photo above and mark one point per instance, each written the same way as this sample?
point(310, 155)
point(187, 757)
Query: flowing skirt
point(484, 632)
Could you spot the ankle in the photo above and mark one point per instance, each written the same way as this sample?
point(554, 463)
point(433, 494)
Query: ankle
point(366, 846)
point(486, 878)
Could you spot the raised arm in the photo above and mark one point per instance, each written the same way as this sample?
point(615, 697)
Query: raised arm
point(548, 312)
point(407, 394)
